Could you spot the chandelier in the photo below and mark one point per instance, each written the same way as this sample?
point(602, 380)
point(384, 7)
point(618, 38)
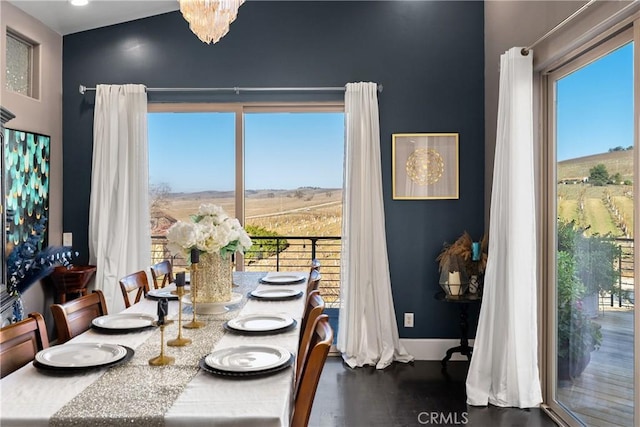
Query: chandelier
point(210, 19)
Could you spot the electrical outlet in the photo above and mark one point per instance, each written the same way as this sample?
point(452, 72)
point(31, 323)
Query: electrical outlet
point(408, 320)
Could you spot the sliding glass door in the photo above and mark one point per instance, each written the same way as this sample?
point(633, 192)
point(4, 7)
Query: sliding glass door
point(592, 202)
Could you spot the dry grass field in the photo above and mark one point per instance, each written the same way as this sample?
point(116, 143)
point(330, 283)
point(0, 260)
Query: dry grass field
point(305, 212)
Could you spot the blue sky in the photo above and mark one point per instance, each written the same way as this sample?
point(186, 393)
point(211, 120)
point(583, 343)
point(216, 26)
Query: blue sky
point(196, 151)
point(595, 106)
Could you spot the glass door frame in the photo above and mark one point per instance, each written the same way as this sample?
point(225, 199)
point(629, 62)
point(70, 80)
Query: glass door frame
point(607, 43)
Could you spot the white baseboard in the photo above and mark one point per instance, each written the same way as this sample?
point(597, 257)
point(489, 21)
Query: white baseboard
point(432, 349)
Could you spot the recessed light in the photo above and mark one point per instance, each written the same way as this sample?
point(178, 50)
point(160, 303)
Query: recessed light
point(79, 2)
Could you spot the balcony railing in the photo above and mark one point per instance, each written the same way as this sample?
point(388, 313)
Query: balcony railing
point(281, 253)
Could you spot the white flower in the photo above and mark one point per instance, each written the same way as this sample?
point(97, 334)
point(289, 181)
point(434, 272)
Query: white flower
point(181, 236)
point(213, 212)
point(211, 231)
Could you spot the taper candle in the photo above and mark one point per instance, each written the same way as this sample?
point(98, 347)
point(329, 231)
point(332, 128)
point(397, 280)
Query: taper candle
point(180, 278)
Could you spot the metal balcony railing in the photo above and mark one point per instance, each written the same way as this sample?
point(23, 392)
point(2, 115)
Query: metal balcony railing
point(281, 253)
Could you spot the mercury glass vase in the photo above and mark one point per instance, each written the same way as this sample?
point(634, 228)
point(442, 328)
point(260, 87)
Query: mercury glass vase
point(213, 278)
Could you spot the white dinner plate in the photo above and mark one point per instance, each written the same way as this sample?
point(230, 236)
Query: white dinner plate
point(275, 293)
point(260, 322)
point(76, 355)
point(280, 278)
point(248, 358)
point(124, 321)
point(162, 293)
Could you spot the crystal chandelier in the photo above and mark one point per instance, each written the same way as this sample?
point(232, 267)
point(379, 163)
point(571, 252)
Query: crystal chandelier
point(210, 19)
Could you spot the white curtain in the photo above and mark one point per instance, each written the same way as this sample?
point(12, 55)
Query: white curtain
point(119, 235)
point(504, 367)
point(368, 333)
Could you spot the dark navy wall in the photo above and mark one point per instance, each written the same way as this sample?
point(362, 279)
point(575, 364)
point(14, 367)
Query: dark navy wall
point(428, 55)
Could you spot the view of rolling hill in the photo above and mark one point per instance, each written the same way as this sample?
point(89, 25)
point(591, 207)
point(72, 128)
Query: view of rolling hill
point(302, 212)
point(607, 209)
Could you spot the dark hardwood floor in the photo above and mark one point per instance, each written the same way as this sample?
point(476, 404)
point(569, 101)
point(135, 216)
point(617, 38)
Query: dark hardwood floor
point(411, 394)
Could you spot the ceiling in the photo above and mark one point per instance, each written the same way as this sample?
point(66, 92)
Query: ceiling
point(63, 18)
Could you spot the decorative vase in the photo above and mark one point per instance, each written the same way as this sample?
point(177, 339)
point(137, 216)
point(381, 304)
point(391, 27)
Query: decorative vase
point(213, 278)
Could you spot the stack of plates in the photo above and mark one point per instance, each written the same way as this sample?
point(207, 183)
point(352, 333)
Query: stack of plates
point(275, 294)
point(247, 360)
point(283, 278)
point(123, 322)
point(81, 356)
point(260, 324)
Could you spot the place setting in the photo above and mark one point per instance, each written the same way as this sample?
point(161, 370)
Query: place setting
point(275, 294)
point(80, 357)
point(213, 307)
point(283, 278)
point(260, 324)
point(247, 361)
point(168, 292)
point(123, 323)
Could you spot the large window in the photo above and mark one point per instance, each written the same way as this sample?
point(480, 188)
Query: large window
point(279, 169)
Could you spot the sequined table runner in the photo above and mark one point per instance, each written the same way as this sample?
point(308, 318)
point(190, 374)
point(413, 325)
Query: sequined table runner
point(136, 393)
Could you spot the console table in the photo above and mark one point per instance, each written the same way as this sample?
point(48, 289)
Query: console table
point(463, 303)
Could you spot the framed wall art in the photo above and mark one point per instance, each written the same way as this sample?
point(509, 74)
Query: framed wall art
point(27, 185)
point(425, 166)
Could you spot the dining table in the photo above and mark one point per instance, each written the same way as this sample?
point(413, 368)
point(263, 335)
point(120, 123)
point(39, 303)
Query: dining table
point(188, 392)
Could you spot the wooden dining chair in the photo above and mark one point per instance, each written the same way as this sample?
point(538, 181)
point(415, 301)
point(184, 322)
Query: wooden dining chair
point(137, 282)
point(19, 343)
point(313, 310)
point(74, 317)
point(314, 281)
point(319, 345)
point(162, 274)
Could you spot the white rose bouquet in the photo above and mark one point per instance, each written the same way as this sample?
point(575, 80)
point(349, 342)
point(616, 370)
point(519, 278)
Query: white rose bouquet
point(211, 230)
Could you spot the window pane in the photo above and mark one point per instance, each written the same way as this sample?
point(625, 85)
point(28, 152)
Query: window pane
point(191, 161)
point(293, 188)
point(18, 65)
point(595, 286)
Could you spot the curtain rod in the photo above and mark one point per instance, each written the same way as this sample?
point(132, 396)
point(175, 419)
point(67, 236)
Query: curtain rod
point(525, 50)
point(82, 89)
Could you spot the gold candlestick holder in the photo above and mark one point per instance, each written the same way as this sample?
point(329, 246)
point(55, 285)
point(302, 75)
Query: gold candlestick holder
point(162, 359)
point(193, 324)
point(179, 341)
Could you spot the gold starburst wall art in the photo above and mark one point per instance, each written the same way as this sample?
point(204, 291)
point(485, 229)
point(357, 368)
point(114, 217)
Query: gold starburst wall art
point(425, 166)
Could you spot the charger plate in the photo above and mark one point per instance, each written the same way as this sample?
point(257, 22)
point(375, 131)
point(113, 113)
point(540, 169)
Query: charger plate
point(75, 357)
point(247, 360)
point(275, 294)
point(123, 322)
point(283, 278)
point(162, 293)
point(246, 375)
point(260, 324)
